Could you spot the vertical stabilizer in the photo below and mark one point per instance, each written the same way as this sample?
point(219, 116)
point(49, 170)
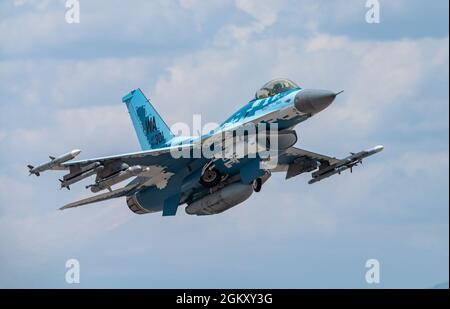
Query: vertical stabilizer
point(151, 130)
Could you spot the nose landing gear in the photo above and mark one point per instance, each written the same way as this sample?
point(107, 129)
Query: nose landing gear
point(257, 184)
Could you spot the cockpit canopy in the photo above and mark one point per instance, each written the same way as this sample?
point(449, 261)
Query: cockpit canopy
point(274, 87)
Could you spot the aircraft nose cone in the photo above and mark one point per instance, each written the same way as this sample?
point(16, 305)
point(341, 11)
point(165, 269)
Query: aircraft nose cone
point(311, 101)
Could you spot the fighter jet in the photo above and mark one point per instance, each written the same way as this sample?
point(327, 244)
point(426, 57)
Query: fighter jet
point(171, 171)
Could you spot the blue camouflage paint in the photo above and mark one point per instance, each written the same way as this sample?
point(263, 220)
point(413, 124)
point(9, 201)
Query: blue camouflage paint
point(167, 199)
point(151, 130)
point(250, 171)
point(258, 107)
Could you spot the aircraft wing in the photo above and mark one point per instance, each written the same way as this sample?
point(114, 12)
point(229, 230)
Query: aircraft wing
point(140, 157)
point(156, 168)
point(297, 152)
point(296, 161)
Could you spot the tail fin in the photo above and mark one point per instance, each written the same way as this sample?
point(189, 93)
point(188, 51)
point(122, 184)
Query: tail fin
point(151, 130)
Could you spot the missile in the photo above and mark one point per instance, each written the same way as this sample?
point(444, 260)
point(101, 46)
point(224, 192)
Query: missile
point(375, 150)
point(347, 163)
point(107, 182)
point(355, 157)
point(329, 174)
point(54, 161)
point(84, 172)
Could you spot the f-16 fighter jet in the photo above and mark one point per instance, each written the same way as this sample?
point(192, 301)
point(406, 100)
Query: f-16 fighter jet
point(212, 172)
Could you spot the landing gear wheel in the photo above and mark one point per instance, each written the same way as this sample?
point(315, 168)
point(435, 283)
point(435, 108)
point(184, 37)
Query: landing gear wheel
point(210, 178)
point(257, 184)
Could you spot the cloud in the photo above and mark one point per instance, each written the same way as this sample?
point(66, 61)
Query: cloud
point(265, 12)
point(413, 163)
point(39, 29)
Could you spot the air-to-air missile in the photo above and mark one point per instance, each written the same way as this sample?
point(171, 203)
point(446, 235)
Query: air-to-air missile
point(117, 177)
point(80, 174)
point(54, 161)
point(344, 164)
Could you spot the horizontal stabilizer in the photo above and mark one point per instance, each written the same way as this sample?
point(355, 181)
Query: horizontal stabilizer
point(101, 197)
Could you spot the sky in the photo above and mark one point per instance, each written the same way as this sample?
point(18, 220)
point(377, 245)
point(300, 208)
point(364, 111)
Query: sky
point(61, 86)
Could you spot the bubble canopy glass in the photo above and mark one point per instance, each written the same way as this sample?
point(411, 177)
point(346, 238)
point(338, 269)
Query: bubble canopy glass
point(274, 87)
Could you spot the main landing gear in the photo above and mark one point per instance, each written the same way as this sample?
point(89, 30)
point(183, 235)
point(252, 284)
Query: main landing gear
point(210, 178)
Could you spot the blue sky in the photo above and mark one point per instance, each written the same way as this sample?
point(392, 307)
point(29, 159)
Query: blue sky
point(62, 85)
